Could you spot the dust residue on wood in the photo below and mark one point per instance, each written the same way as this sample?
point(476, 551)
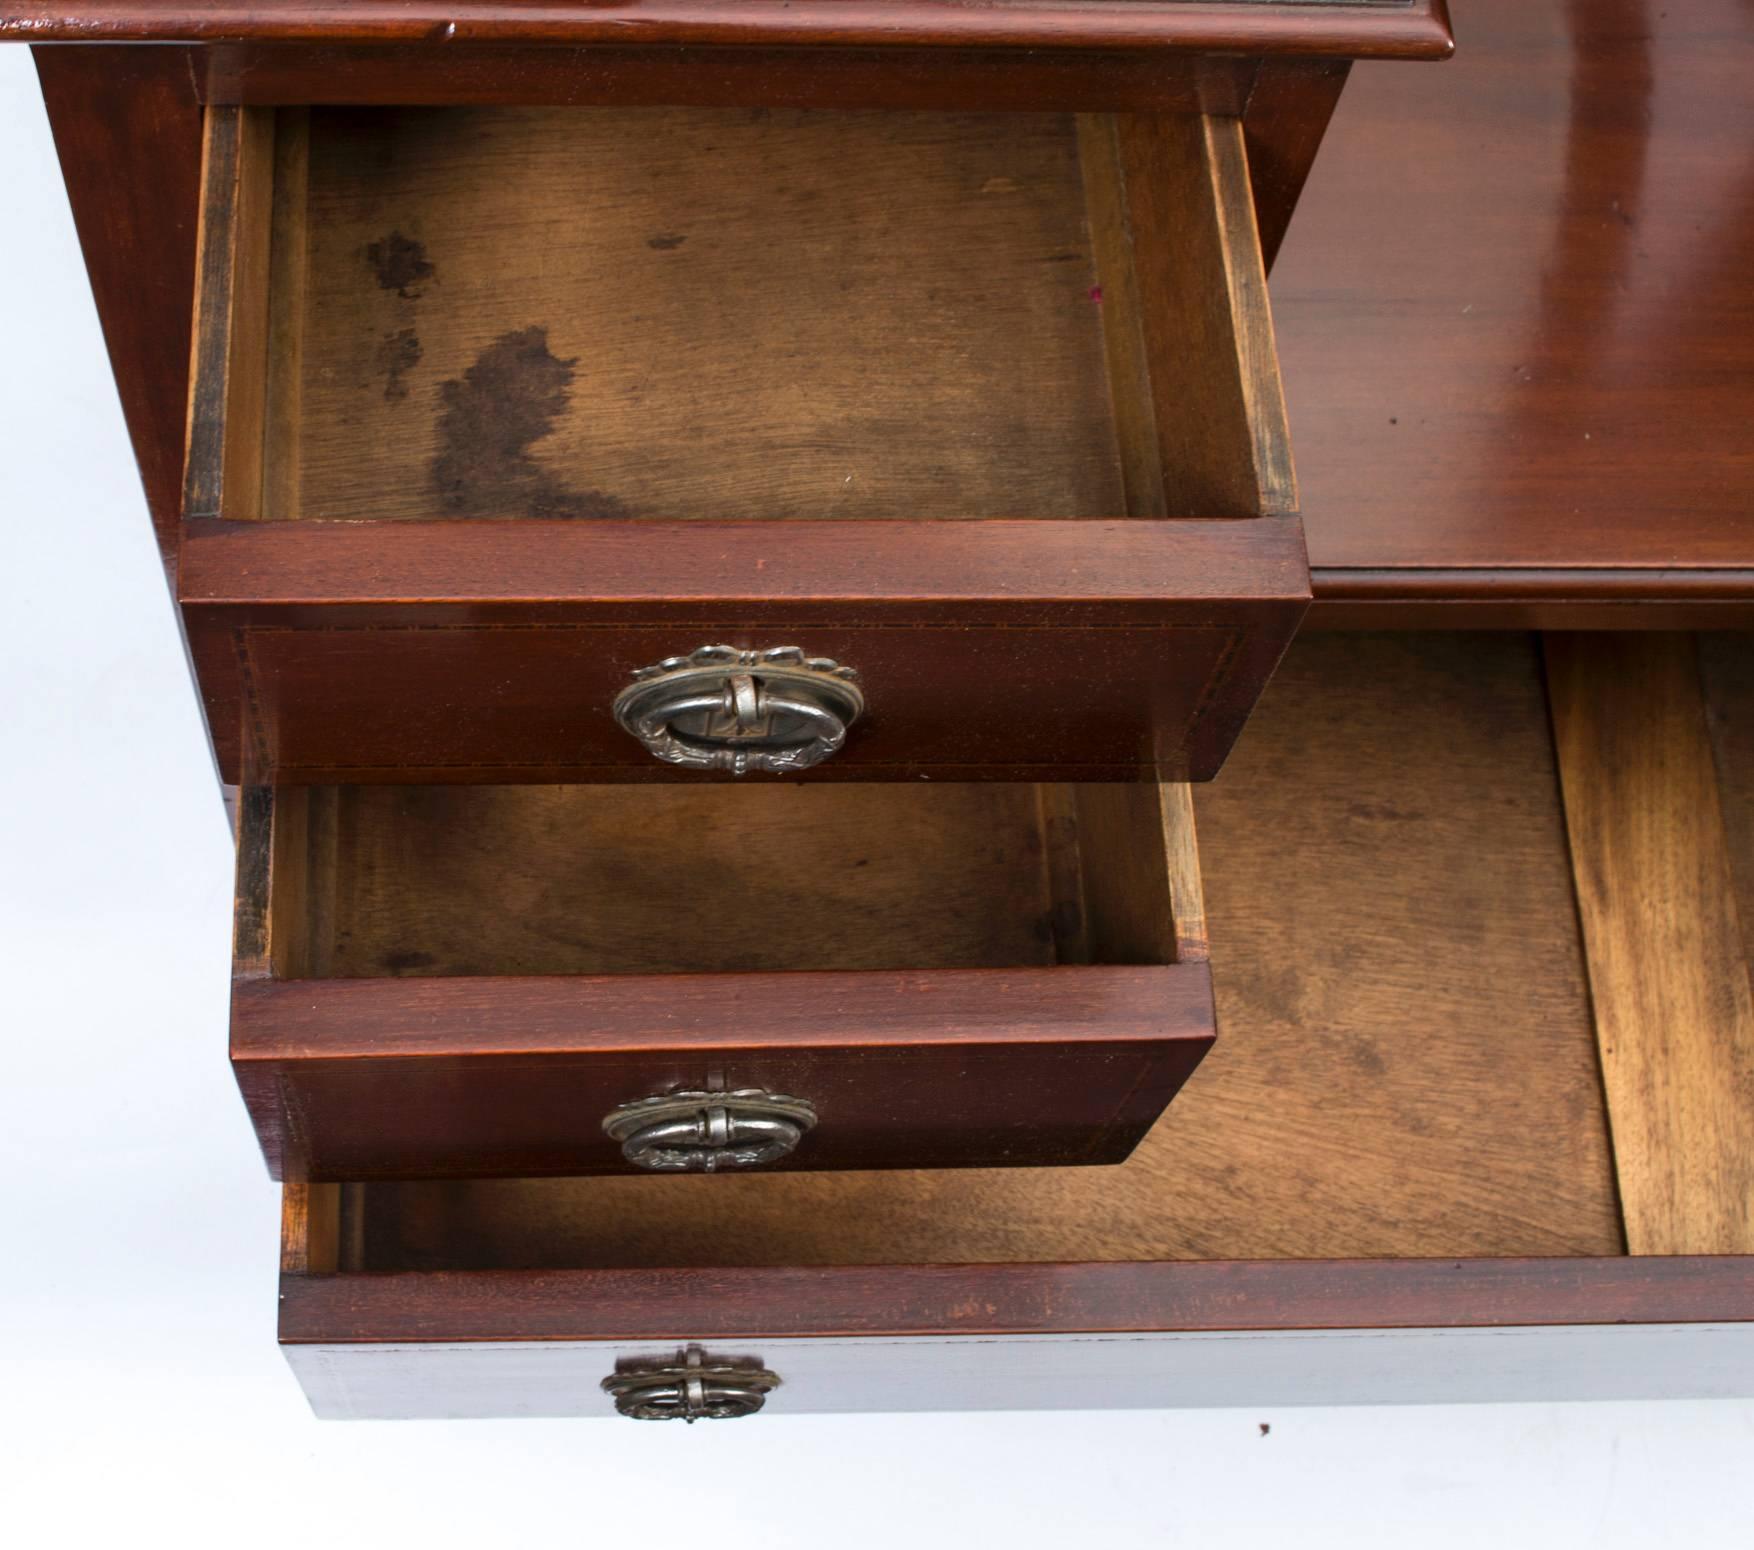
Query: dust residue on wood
point(493, 414)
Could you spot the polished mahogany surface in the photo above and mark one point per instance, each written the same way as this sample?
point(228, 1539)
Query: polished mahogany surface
point(128, 130)
point(1515, 313)
point(1416, 29)
point(1516, 332)
point(893, 1300)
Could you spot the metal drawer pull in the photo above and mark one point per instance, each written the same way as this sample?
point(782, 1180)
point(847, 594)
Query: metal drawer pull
point(722, 708)
point(700, 1132)
point(691, 1386)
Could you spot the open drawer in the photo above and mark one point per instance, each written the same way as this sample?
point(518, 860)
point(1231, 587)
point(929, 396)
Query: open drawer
point(437, 981)
point(1450, 1147)
point(494, 409)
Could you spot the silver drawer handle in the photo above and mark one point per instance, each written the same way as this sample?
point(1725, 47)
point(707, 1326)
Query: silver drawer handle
point(701, 1132)
point(691, 1386)
point(722, 708)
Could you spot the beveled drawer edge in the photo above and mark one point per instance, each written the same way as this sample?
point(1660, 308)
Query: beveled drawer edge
point(1008, 1299)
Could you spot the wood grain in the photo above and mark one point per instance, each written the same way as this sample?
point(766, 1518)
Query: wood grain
point(1063, 871)
point(1284, 122)
point(1513, 316)
point(261, 877)
point(128, 130)
point(1416, 29)
point(310, 1228)
point(1668, 971)
point(1566, 445)
point(288, 288)
point(826, 359)
point(1551, 598)
point(929, 342)
point(1131, 392)
point(1181, 855)
point(862, 315)
point(1193, 367)
point(961, 78)
point(1726, 666)
point(228, 375)
point(487, 972)
point(1406, 1065)
point(688, 879)
point(981, 572)
point(481, 1078)
point(1285, 101)
point(492, 651)
point(287, 879)
point(1139, 867)
point(923, 1300)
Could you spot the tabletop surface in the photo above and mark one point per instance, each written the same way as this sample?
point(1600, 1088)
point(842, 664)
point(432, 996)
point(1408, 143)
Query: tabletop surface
point(1387, 28)
point(1513, 308)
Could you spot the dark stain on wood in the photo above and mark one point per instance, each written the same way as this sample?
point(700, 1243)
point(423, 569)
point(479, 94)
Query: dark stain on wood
point(665, 242)
point(493, 414)
point(400, 263)
point(398, 354)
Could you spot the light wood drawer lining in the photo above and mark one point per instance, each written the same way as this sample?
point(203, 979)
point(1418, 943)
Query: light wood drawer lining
point(731, 315)
point(1406, 1064)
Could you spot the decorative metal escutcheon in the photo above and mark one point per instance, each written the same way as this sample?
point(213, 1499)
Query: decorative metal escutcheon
point(702, 1132)
point(723, 708)
point(691, 1386)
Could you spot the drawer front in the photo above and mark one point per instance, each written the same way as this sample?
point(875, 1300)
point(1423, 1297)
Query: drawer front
point(985, 411)
point(417, 694)
point(997, 1337)
point(469, 1077)
point(1508, 1364)
point(464, 981)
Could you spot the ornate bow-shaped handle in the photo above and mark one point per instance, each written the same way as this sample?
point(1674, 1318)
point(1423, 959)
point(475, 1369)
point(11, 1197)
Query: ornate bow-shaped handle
point(723, 708)
point(703, 1132)
point(691, 1386)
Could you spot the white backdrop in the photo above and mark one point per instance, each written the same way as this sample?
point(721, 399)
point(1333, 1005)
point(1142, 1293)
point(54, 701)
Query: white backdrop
point(141, 1394)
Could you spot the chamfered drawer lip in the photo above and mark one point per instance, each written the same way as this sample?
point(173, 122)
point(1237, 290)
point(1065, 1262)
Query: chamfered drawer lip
point(1023, 1298)
point(1119, 571)
point(1168, 526)
point(1062, 996)
point(533, 1015)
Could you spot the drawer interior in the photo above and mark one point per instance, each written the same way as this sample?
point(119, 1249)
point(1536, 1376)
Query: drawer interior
point(416, 881)
point(468, 981)
point(1409, 1066)
point(492, 408)
point(633, 314)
